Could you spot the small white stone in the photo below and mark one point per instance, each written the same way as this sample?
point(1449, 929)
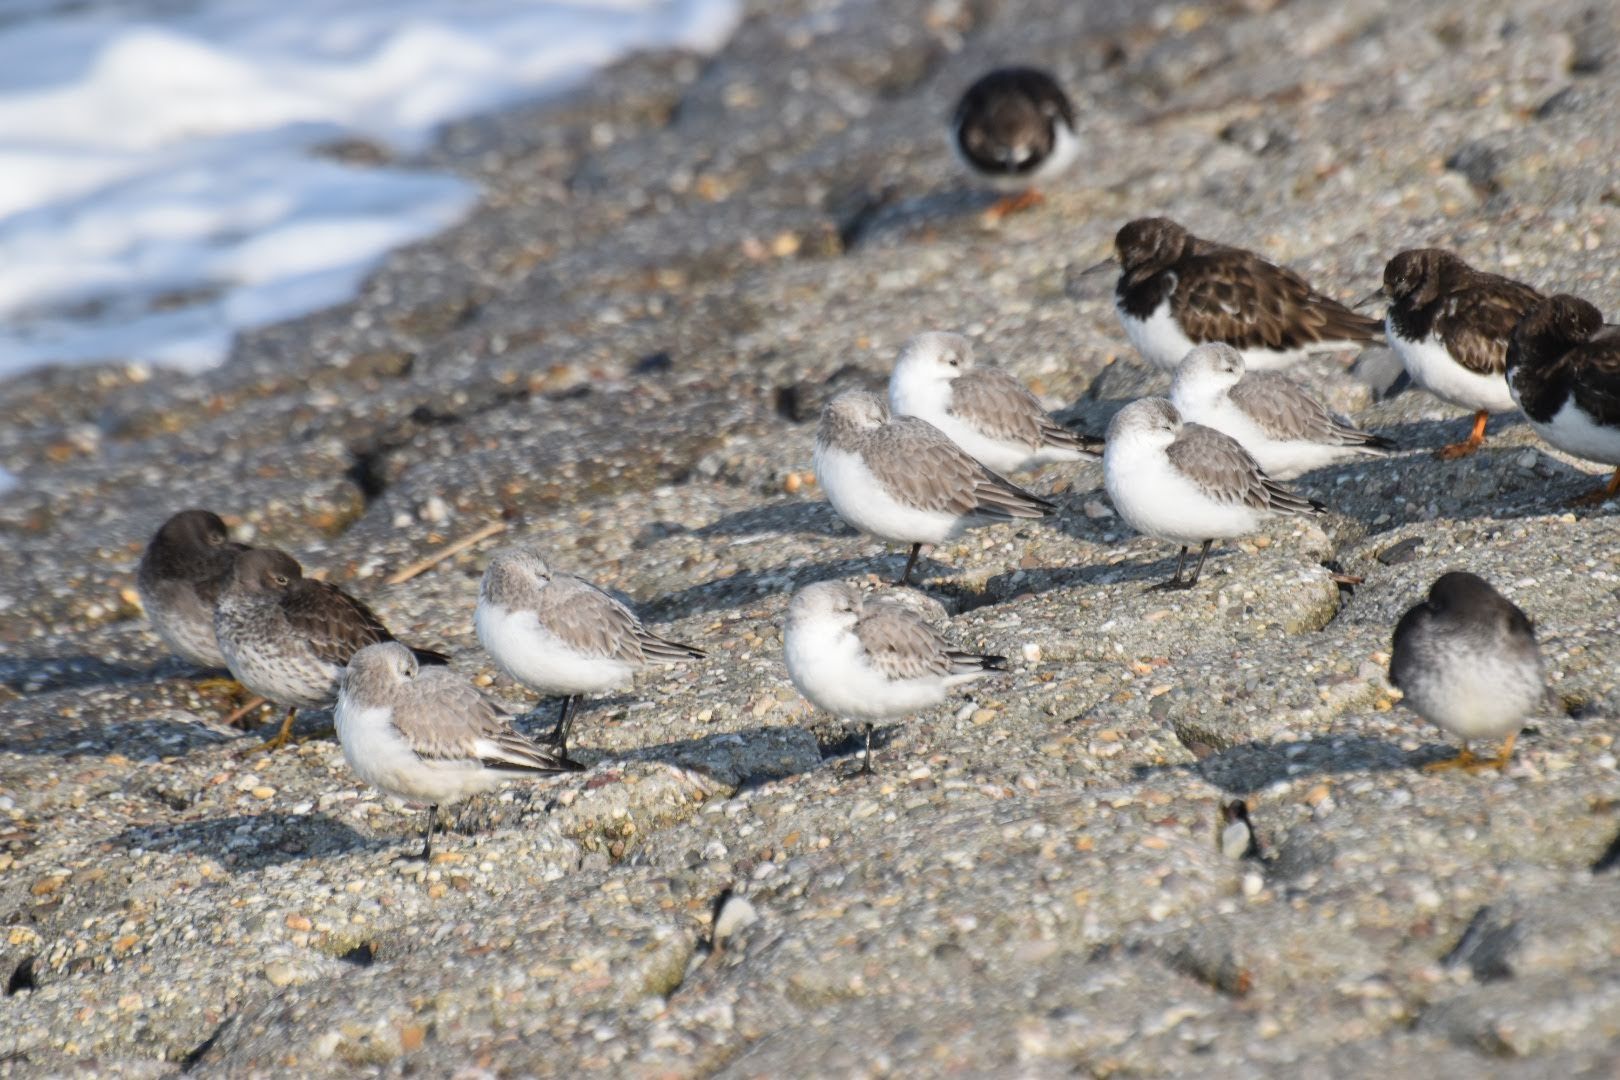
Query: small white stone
point(735, 914)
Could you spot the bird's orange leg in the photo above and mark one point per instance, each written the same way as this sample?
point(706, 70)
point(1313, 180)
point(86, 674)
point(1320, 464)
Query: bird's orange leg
point(1601, 494)
point(1013, 204)
point(1475, 440)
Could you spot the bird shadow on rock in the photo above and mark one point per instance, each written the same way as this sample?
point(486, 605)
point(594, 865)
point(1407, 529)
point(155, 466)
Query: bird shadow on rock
point(252, 841)
point(750, 586)
point(85, 737)
point(813, 517)
point(738, 759)
point(81, 671)
point(1254, 766)
point(877, 216)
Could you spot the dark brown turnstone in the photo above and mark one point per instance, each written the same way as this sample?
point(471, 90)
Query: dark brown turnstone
point(559, 634)
point(1466, 660)
point(1014, 127)
point(1563, 367)
point(1176, 291)
point(1188, 483)
point(287, 637)
point(867, 659)
point(1276, 419)
point(182, 572)
point(1450, 324)
point(902, 480)
point(984, 410)
point(427, 735)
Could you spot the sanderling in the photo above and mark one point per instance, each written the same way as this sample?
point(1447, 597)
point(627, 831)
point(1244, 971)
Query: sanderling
point(559, 634)
point(1450, 325)
point(869, 659)
point(1563, 367)
point(1015, 128)
point(287, 637)
point(1276, 419)
point(903, 480)
point(1466, 660)
point(984, 410)
point(427, 735)
point(1176, 291)
point(182, 572)
point(1188, 483)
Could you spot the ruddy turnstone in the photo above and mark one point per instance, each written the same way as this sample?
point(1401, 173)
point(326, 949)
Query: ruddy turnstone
point(1563, 368)
point(1014, 127)
point(1188, 483)
point(869, 659)
point(984, 410)
point(1176, 291)
point(427, 735)
point(1450, 325)
point(559, 634)
point(1276, 419)
point(1466, 660)
point(287, 637)
point(182, 572)
point(902, 480)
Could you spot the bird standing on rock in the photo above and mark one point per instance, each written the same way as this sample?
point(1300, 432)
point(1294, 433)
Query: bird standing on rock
point(1177, 291)
point(1465, 659)
point(427, 735)
point(1188, 483)
point(1563, 367)
point(1450, 324)
point(287, 637)
point(982, 409)
point(901, 479)
point(1015, 128)
point(1276, 419)
point(185, 567)
point(864, 659)
point(559, 634)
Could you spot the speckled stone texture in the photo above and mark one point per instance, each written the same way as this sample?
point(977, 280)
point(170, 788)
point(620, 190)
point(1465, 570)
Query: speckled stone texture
point(620, 355)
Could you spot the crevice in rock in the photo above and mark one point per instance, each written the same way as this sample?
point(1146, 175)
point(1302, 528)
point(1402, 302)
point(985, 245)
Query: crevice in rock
point(193, 1059)
point(1484, 947)
point(22, 978)
point(1610, 859)
point(362, 955)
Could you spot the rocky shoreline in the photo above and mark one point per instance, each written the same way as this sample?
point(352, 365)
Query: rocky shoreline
point(620, 356)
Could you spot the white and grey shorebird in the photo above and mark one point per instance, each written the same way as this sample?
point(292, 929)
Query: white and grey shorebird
point(1563, 367)
point(1188, 483)
point(867, 659)
point(559, 634)
point(1465, 659)
point(982, 409)
point(1276, 419)
point(903, 480)
point(1450, 324)
point(1015, 128)
point(287, 637)
point(427, 735)
point(1177, 290)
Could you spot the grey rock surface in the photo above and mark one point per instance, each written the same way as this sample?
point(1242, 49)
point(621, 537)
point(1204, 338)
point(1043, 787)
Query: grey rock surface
point(619, 355)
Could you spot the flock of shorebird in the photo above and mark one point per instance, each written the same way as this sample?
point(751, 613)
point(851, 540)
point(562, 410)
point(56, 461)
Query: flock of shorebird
point(1199, 466)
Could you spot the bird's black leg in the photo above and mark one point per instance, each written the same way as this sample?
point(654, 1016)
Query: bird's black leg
point(1203, 553)
point(564, 722)
point(905, 578)
point(427, 841)
point(866, 767)
point(1175, 582)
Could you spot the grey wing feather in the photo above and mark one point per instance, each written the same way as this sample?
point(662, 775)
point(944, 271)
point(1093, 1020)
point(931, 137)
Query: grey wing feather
point(590, 621)
point(1226, 472)
point(1004, 408)
point(923, 466)
point(900, 644)
point(1284, 409)
point(446, 718)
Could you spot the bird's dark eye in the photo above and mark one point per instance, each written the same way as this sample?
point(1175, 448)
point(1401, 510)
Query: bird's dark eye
point(216, 538)
point(280, 579)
